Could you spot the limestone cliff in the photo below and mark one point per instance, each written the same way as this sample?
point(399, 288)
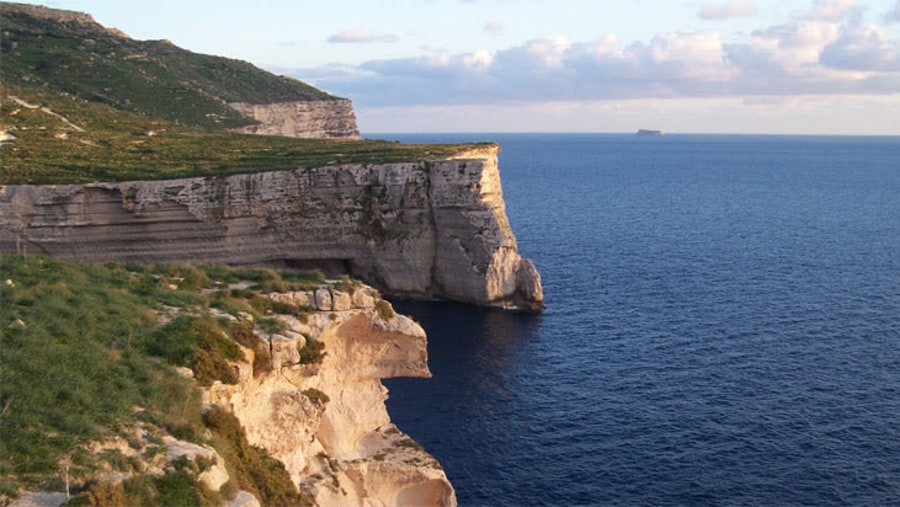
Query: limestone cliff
point(327, 421)
point(316, 119)
point(434, 229)
point(307, 390)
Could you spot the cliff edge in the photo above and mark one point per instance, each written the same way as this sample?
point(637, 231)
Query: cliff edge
point(427, 230)
point(326, 421)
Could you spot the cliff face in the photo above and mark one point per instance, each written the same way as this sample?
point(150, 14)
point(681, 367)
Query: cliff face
point(433, 229)
point(327, 421)
point(304, 119)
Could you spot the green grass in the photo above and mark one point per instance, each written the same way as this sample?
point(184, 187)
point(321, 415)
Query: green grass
point(92, 350)
point(312, 352)
point(148, 110)
point(74, 372)
point(151, 78)
point(177, 488)
point(115, 146)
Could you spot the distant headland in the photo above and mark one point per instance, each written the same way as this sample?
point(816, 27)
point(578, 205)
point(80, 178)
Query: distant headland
point(647, 132)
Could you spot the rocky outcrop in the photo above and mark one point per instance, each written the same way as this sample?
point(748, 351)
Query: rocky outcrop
point(326, 421)
point(40, 11)
point(332, 119)
point(435, 229)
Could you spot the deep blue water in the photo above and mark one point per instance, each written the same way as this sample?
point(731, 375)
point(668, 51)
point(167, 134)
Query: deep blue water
point(722, 328)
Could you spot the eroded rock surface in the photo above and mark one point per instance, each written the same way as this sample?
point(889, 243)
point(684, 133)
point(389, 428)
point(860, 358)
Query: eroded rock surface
point(327, 421)
point(435, 229)
point(311, 119)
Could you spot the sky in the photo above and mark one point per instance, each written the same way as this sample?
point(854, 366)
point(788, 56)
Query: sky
point(685, 66)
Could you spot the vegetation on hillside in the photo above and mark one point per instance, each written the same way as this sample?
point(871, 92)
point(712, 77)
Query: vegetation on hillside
point(87, 351)
point(80, 103)
point(153, 78)
point(111, 145)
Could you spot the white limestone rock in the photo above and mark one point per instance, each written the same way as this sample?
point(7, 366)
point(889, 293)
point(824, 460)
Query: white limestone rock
point(304, 119)
point(433, 229)
point(363, 299)
point(214, 476)
point(323, 300)
point(285, 351)
point(344, 440)
point(243, 499)
point(341, 301)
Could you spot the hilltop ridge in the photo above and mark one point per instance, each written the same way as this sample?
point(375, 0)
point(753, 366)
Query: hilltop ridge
point(70, 53)
point(131, 154)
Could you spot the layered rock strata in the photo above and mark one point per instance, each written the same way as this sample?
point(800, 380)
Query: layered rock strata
point(327, 421)
point(435, 229)
point(312, 119)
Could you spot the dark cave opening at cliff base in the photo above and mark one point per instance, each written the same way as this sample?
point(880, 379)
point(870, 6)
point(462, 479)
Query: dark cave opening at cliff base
point(331, 268)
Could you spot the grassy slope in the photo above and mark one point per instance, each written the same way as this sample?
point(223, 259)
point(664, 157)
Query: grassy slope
point(115, 91)
point(93, 348)
point(115, 146)
point(154, 78)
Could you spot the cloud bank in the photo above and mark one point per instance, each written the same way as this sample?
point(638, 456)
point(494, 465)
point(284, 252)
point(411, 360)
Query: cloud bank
point(893, 16)
point(730, 9)
point(360, 36)
point(826, 50)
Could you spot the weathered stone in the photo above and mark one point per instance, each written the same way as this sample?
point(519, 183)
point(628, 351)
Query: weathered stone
point(323, 300)
point(243, 499)
point(303, 299)
point(298, 338)
point(285, 351)
point(214, 476)
point(362, 299)
point(434, 229)
point(528, 283)
point(344, 438)
point(341, 301)
point(286, 298)
point(40, 499)
point(304, 119)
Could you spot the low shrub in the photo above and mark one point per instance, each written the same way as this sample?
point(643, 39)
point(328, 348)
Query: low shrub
point(316, 396)
point(251, 467)
point(312, 351)
point(384, 309)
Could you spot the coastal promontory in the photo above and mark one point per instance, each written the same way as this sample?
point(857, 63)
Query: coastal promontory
point(184, 240)
point(434, 229)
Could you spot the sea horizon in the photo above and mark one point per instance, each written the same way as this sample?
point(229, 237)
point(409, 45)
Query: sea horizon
point(722, 328)
point(666, 133)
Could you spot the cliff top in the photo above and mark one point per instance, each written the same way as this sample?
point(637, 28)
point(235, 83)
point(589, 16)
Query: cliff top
point(81, 103)
point(48, 138)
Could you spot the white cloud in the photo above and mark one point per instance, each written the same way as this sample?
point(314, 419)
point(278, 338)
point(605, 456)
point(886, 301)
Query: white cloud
point(832, 10)
point(807, 56)
point(730, 9)
point(863, 48)
point(360, 36)
point(493, 27)
point(893, 16)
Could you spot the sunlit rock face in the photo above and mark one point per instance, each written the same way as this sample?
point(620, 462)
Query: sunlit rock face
point(426, 230)
point(327, 421)
point(310, 119)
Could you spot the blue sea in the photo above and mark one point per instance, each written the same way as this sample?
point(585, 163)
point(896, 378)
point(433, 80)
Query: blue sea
point(722, 328)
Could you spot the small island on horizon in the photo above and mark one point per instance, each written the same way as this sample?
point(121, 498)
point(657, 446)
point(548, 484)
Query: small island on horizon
point(648, 132)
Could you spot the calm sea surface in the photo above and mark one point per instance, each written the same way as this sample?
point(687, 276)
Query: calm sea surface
point(722, 328)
